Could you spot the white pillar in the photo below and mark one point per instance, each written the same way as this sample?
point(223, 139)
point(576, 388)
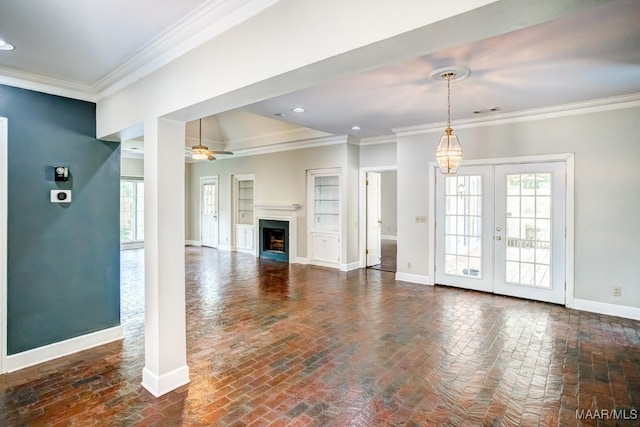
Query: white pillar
point(164, 200)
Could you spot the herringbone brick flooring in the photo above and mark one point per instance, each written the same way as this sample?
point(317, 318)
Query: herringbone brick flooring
point(291, 345)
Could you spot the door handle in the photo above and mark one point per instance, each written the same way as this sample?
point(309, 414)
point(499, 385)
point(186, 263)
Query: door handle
point(498, 237)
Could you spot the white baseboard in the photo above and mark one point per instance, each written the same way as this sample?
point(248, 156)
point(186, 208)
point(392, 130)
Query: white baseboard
point(245, 251)
point(193, 243)
point(49, 352)
point(413, 278)
point(328, 264)
point(351, 266)
point(301, 260)
point(389, 237)
point(606, 308)
point(162, 384)
point(225, 248)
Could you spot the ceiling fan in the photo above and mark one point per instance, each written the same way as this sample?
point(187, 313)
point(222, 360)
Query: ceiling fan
point(202, 152)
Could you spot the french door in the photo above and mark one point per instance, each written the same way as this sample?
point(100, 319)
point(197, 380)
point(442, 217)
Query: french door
point(209, 211)
point(501, 229)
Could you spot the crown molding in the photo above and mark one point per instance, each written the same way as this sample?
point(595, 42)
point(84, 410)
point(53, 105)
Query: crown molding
point(294, 134)
point(377, 140)
point(206, 22)
point(194, 140)
point(44, 84)
point(288, 146)
point(209, 20)
point(574, 109)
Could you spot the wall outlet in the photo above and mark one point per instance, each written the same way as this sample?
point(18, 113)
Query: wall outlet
point(617, 291)
point(409, 264)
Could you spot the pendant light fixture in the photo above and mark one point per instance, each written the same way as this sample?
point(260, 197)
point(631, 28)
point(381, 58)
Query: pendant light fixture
point(449, 151)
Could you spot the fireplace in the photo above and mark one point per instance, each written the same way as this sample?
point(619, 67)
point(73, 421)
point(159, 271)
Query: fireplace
point(274, 239)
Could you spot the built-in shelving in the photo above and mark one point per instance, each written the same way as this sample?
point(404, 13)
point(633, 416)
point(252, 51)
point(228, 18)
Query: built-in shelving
point(324, 217)
point(245, 201)
point(244, 215)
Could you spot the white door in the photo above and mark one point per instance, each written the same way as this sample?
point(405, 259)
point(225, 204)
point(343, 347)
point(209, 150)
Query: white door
point(209, 212)
point(501, 229)
point(464, 245)
point(374, 222)
point(530, 231)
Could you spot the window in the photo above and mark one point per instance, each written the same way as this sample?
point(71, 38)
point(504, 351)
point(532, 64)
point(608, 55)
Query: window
point(131, 210)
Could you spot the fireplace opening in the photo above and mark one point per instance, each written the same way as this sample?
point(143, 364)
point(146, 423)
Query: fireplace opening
point(274, 239)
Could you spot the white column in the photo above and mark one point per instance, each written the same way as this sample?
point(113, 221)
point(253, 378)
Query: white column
point(164, 200)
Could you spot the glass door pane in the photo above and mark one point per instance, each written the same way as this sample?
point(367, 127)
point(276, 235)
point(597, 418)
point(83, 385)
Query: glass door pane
point(463, 232)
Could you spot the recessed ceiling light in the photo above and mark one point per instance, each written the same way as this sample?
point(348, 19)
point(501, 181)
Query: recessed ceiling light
point(6, 45)
point(298, 110)
point(356, 127)
point(279, 114)
point(488, 110)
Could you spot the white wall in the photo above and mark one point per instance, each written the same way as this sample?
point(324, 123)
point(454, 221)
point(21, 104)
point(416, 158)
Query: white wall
point(389, 197)
point(607, 198)
point(131, 168)
point(350, 236)
point(280, 178)
point(378, 155)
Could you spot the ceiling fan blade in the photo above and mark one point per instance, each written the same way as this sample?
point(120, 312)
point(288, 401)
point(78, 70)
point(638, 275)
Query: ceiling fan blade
point(210, 157)
point(222, 152)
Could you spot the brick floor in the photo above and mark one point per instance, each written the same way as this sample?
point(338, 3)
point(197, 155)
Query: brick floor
point(291, 345)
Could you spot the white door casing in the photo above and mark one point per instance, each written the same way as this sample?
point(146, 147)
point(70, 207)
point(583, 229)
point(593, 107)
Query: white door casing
point(374, 215)
point(209, 211)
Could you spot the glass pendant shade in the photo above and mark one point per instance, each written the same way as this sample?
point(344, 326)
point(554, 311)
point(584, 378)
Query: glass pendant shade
point(449, 153)
point(199, 152)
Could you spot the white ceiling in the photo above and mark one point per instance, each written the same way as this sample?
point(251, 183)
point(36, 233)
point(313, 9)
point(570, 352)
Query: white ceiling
point(93, 45)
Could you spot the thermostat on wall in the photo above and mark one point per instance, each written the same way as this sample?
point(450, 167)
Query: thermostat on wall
point(60, 196)
point(61, 173)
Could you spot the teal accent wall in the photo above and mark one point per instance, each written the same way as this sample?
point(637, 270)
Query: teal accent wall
point(63, 264)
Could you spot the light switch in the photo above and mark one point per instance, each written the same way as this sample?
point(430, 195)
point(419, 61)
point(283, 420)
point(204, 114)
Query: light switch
point(421, 218)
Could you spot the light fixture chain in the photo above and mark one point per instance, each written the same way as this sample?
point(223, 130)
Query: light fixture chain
point(449, 100)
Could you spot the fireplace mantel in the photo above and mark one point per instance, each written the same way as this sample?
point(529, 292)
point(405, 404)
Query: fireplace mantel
point(278, 207)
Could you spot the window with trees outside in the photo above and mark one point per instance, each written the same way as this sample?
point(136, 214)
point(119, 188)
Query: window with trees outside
point(131, 210)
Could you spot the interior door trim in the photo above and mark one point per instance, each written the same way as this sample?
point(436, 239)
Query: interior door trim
point(567, 158)
point(362, 208)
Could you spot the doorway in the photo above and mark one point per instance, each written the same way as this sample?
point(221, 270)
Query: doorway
point(209, 211)
point(379, 218)
point(501, 229)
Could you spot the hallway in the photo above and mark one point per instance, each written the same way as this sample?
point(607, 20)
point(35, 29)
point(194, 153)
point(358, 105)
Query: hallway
point(277, 344)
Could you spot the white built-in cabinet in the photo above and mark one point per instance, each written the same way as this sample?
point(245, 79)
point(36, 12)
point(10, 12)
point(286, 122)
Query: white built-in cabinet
point(325, 230)
point(243, 191)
